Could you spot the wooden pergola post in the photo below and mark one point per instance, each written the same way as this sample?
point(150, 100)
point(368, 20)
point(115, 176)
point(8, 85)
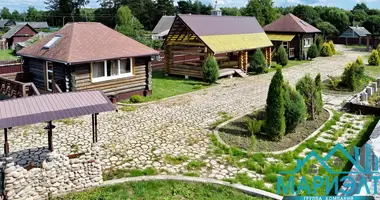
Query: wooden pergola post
point(50, 128)
point(6, 145)
point(168, 59)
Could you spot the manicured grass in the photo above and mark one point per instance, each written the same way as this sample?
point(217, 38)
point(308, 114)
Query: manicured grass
point(356, 46)
point(373, 71)
point(122, 173)
point(237, 134)
point(7, 55)
point(291, 63)
point(167, 86)
point(328, 89)
point(161, 190)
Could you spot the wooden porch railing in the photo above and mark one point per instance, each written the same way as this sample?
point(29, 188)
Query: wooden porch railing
point(17, 89)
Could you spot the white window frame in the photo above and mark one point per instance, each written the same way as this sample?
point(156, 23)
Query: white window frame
point(106, 77)
point(310, 40)
point(47, 76)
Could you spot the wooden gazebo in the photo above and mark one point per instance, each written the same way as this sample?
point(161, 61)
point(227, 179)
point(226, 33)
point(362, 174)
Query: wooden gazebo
point(49, 107)
point(231, 39)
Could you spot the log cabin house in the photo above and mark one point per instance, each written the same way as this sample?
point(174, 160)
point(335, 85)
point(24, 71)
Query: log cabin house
point(90, 56)
point(229, 38)
point(293, 33)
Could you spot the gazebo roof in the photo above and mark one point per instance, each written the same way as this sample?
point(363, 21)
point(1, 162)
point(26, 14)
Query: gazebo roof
point(48, 107)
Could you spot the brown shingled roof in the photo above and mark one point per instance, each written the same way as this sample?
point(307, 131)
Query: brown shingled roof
point(290, 23)
point(87, 41)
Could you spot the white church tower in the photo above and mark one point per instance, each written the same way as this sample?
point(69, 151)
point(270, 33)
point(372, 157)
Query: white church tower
point(216, 11)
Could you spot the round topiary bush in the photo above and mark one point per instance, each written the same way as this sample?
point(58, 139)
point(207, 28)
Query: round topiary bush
point(312, 52)
point(359, 60)
point(332, 46)
point(374, 58)
point(295, 108)
point(210, 69)
point(136, 99)
point(282, 56)
point(326, 50)
point(258, 63)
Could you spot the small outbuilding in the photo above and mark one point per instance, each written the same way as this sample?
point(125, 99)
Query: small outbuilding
point(356, 35)
point(162, 28)
point(293, 33)
point(6, 23)
point(90, 56)
point(18, 33)
point(35, 25)
point(231, 39)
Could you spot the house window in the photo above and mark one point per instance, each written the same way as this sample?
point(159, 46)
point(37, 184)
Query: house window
point(111, 69)
point(307, 42)
point(285, 45)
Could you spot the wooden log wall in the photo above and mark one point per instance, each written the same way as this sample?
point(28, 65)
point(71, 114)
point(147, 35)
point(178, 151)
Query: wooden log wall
point(36, 66)
point(82, 81)
point(268, 55)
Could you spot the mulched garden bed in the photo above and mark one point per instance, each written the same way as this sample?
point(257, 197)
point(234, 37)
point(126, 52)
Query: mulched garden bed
point(236, 134)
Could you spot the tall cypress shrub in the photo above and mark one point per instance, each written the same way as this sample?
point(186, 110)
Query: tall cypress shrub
point(282, 56)
point(318, 90)
point(210, 69)
point(307, 88)
point(258, 62)
point(295, 108)
point(275, 110)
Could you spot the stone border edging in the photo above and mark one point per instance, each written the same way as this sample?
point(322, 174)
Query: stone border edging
point(245, 189)
point(221, 141)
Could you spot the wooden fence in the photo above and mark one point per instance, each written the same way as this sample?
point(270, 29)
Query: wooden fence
point(17, 89)
point(13, 66)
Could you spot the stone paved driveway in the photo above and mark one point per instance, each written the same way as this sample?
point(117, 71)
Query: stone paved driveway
point(179, 126)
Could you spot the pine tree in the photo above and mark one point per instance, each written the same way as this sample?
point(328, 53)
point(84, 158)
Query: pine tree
point(295, 108)
point(275, 110)
point(257, 62)
point(318, 90)
point(307, 88)
point(282, 56)
point(210, 69)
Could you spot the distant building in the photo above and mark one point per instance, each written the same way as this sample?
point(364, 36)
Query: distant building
point(35, 25)
point(216, 11)
point(162, 28)
point(18, 33)
point(356, 32)
point(6, 23)
point(294, 34)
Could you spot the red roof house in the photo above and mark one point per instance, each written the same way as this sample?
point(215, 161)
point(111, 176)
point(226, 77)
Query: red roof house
point(293, 33)
point(89, 56)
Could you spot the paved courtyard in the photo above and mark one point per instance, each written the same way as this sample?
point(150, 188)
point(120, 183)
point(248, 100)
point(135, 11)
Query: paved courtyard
point(179, 126)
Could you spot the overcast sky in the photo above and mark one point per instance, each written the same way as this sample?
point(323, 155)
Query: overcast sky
point(22, 5)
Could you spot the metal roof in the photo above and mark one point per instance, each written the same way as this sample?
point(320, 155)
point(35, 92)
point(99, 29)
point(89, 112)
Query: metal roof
point(13, 31)
point(236, 42)
point(36, 25)
point(203, 25)
point(290, 23)
point(48, 107)
point(164, 24)
point(281, 37)
point(83, 42)
point(361, 31)
point(4, 22)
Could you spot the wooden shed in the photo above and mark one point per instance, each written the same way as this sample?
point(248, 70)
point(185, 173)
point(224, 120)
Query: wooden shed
point(90, 56)
point(231, 39)
point(293, 33)
point(18, 33)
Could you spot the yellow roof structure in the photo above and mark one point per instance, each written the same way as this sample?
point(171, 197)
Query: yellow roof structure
point(236, 42)
point(281, 37)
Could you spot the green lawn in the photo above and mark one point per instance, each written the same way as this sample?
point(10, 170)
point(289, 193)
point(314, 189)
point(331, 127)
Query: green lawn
point(167, 86)
point(373, 71)
point(291, 63)
point(7, 55)
point(355, 46)
point(161, 190)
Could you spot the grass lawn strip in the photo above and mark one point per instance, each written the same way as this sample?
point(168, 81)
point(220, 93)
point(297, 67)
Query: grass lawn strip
point(7, 55)
point(350, 130)
point(162, 190)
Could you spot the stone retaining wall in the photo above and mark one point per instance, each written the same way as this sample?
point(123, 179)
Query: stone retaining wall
point(58, 174)
point(359, 103)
